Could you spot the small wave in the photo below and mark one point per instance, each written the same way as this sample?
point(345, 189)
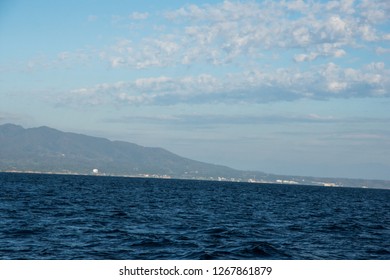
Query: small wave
point(210, 255)
point(23, 233)
point(262, 250)
point(118, 214)
point(153, 243)
point(382, 252)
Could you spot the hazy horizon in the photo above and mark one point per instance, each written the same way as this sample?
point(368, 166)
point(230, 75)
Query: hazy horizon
point(285, 87)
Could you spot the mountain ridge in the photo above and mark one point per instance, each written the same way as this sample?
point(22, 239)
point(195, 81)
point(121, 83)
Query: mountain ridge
point(48, 150)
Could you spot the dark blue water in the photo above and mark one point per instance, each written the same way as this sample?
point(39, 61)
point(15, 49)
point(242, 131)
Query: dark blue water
point(87, 217)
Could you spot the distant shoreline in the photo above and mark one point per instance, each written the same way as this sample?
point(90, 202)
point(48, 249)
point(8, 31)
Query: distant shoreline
point(148, 176)
point(66, 153)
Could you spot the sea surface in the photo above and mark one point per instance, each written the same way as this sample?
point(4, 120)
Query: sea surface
point(96, 217)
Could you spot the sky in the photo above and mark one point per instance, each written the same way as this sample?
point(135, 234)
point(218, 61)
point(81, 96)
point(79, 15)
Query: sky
point(286, 87)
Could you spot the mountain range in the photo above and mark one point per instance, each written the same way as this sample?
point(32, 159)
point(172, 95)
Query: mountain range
point(47, 150)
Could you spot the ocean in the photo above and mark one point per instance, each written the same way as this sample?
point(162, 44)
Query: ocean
point(95, 217)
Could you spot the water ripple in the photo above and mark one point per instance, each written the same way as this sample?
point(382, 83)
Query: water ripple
point(87, 217)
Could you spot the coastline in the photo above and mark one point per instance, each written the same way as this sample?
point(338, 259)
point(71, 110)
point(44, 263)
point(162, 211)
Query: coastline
point(326, 182)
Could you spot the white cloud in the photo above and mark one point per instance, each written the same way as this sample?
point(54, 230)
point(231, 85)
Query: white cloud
point(231, 31)
point(335, 86)
point(235, 32)
point(347, 6)
point(302, 36)
point(305, 57)
point(320, 82)
point(380, 50)
point(337, 27)
point(339, 53)
point(248, 37)
point(151, 53)
point(375, 11)
point(368, 33)
point(138, 16)
point(323, 50)
point(297, 5)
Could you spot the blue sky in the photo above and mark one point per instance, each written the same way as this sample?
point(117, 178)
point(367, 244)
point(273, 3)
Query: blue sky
point(288, 87)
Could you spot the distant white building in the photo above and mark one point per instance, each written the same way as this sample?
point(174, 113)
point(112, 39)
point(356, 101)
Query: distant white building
point(95, 171)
